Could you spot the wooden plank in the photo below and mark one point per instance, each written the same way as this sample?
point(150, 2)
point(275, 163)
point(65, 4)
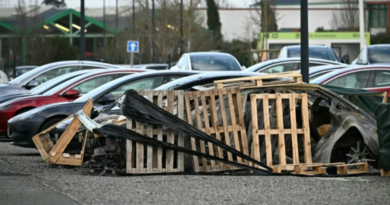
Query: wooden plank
point(180, 114)
point(234, 122)
point(255, 127)
point(215, 123)
point(306, 129)
point(275, 131)
point(160, 134)
point(280, 125)
point(67, 136)
point(267, 128)
point(199, 125)
point(385, 173)
point(225, 123)
point(140, 149)
point(149, 155)
point(190, 121)
point(41, 148)
point(294, 135)
point(207, 124)
point(241, 124)
point(171, 135)
point(129, 149)
point(69, 161)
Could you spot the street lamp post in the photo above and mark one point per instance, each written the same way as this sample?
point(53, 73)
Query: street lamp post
point(181, 28)
point(153, 34)
point(361, 24)
point(116, 34)
point(104, 30)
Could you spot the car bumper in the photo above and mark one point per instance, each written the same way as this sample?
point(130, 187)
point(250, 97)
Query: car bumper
point(22, 139)
point(4, 117)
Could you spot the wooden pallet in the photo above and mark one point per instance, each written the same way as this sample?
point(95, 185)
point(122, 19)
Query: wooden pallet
point(280, 130)
point(385, 173)
point(204, 106)
point(341, 167)
point(55, 153)
point(258, 80)
point(142, 159)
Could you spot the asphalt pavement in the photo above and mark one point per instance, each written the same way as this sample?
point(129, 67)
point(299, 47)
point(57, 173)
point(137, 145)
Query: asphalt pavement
point(26, 179)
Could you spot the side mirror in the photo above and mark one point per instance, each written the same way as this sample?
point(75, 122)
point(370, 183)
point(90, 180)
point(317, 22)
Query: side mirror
point(71, 93)
point(107, 99)
point(32, 84)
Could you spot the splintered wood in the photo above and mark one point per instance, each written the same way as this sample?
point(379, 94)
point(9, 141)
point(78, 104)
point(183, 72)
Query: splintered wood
point(280, 129)
point(143, 159)
point(218, 113)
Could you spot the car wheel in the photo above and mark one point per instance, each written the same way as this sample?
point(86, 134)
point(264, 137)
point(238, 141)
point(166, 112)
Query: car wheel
point(49, 124)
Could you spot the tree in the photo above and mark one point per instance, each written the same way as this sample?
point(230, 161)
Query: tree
point(55, 3)
point(213, 21)
point(346, 18)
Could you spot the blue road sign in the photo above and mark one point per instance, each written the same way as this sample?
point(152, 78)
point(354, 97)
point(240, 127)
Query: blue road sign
point(132, 46)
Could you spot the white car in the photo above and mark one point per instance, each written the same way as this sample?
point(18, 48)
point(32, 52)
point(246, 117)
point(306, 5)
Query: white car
point(208, 61)
point(373, 54)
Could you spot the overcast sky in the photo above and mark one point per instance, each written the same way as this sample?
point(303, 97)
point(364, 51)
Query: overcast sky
point(99, 3)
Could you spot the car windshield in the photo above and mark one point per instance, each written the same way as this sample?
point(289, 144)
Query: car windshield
point(379, 54)
point(317, 52)
point(214, 63)
point(53, 83)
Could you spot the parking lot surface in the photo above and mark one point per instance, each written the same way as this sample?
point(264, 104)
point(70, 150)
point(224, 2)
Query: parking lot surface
point(26, 179)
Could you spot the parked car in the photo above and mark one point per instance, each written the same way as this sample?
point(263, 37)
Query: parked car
point(24, 126)
point(374, 54)
point(315, 51)
point(20, 70)
point(65, 92)
point(207, 61)
point(287, 64)
point(42, 88)
point(46, 72)
point(372, 77)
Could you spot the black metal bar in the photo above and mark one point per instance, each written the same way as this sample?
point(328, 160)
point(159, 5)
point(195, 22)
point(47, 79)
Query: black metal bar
point(116, 34)
point(133, 20)
point(304, 41)
point(14, 71)
point(104, 30)
point(153, 34)
point(181, 28)
point(82, 29)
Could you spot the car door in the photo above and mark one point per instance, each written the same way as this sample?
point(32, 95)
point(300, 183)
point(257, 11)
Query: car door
point(282, 67)
point(381, 81)
point(89, 84)
point(355, 80)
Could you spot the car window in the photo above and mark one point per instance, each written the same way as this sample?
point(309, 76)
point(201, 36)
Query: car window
point(315, 64)
point(379, 54)
point(93, 83)
point(172, 78)
point(90, 67)
point(280, 68)
point(214, 63)
point(382, 79)
point(316, 75)
point(143, 84)
point(180, 63)
point(314, 52)
point(48, 75)
point(353, 80)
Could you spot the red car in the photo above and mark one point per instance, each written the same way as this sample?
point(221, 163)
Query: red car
point(371, 77)
point(67, 91)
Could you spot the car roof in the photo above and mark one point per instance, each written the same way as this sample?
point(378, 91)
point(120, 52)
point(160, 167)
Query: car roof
point(213, 53)
point(347, 69)
point(205, 76)
point(378, 45)
point(316, 69)
point(26, 66)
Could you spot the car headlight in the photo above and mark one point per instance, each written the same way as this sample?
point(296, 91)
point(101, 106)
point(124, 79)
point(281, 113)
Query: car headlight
point(6, 107)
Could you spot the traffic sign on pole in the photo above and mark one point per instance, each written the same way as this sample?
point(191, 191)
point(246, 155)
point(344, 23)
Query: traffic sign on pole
point(132, 46)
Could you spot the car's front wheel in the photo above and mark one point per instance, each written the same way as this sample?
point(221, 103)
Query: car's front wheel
point(50, 123)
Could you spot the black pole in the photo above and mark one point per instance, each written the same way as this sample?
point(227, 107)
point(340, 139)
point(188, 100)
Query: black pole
point(304, 41)
point(116, 34)
point(104, 30)
point(133, 19)
point(153, 34)
point(181, 28)
point(14, 71)
point(82, 28)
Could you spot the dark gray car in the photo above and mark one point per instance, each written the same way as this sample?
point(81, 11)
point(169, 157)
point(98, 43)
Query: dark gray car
point(47, 72)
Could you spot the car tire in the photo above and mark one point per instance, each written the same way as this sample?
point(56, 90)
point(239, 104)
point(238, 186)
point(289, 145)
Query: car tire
point(49, 124)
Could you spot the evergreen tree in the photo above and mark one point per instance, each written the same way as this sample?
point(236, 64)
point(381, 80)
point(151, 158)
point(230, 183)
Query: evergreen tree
point(213, 22)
